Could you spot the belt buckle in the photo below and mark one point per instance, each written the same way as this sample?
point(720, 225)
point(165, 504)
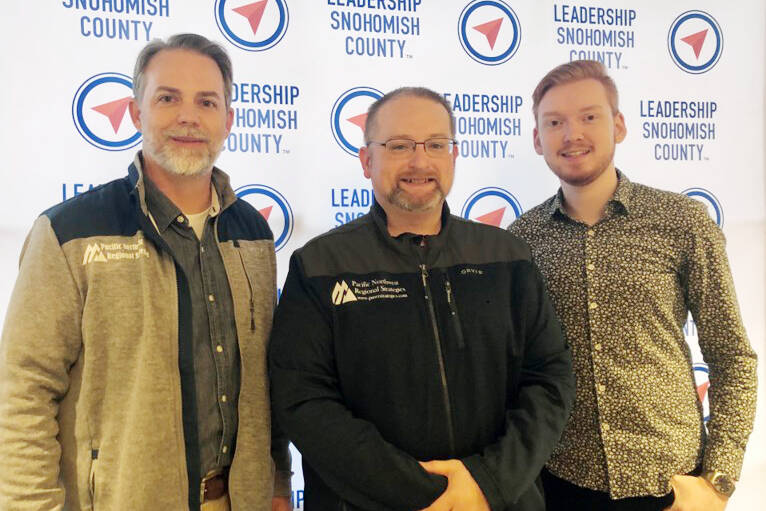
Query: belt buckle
point(203, 485)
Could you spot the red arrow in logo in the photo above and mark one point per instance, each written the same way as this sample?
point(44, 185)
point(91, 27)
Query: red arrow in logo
point(114, 111)
point(490, 30)
point(359, 120)
point(492, 218)
point(265, 212)
point(253, 12)
point(696, 41)
point(702, 390)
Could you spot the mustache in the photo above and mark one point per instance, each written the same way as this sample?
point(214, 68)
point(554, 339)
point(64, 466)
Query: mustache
point(191, 133)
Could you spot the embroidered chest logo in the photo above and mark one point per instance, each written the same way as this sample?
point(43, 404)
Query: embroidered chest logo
point(367, 290)
point(105, 252)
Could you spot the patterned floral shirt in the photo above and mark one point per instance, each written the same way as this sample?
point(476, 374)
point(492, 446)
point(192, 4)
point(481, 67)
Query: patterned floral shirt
point(623, 289)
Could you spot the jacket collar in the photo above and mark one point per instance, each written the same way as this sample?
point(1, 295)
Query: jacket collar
point(220, 180)
point(410, 243)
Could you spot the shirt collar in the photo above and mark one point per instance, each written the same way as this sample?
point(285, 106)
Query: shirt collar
point(620, 201)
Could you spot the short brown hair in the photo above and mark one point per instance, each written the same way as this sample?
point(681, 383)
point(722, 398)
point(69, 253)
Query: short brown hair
point(572, 72)
point(191, 42)
point(418, 92)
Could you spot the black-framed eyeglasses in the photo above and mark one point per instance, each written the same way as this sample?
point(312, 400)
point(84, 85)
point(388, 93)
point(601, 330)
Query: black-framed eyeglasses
point(405, 146)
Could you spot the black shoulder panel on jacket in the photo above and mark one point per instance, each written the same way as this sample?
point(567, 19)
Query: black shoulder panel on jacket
point(106, 210)
point(241, 221)
point(479, 243)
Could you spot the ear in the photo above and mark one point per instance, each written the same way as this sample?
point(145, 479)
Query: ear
point(365, 158)
point(536, 141)
point(229, 120)
point(135, 113)
point(620, 130)
point(455, 153)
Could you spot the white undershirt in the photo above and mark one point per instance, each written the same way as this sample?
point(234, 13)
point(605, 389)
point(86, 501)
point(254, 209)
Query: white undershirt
point(197, 220)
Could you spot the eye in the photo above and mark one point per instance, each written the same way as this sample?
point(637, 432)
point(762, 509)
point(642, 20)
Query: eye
point(436, 144)
point(398, 146)
point(553, 123)
point(590, 117)
point(209, 103)
point(165, 98)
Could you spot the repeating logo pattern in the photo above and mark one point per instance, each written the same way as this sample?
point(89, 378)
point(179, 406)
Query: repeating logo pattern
point(348, 116)
point(695, 42)
point(252, 26)
point(492, 206)
point(99, 111)
point(709, 200)
point(489, 31)
point(273, 206)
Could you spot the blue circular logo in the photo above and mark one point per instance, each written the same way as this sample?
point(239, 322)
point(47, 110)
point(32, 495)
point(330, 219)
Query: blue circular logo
point(99, 109)
point(252, 26)
point(489, 31)
point(348, 116)
point(273, 206)
point(709, 200)
point(695, 42)
point(702, 383)
point(492, 206)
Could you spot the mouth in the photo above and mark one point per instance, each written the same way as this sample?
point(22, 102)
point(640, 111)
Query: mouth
point(418, 180)
point(187, 139)
point(575, 153)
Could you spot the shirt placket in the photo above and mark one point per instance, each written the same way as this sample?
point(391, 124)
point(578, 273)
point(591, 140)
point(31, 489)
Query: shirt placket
point(220, 356)
point(593, 235)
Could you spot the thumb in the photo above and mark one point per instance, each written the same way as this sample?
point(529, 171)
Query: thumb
point(440, 467)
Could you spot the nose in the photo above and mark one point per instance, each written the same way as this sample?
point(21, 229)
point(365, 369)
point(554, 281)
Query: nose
point(572, 131)
point(419, 157)
point(187, 113)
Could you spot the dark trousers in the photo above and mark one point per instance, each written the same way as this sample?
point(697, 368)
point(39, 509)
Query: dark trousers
point(561, 495)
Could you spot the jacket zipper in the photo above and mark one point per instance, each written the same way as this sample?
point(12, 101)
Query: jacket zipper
point(249, 286)
point(453, 313)
point(440, 357)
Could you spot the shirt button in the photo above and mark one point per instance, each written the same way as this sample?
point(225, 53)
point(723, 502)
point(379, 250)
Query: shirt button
point(591, 232)
point(210, 298)
point(202, 249)
point(605, 427)
point(224, 449)
point(597, 346)
point(592, 305)
point(591, 266)
point(219, 348)
point(180, 219)
point(601, 388)
point(223, 398)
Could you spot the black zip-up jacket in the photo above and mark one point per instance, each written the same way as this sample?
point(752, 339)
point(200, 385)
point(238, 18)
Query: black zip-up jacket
point(389, 350)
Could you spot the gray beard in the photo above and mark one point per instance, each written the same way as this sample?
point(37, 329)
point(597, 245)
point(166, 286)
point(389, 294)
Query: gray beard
point(399, 198)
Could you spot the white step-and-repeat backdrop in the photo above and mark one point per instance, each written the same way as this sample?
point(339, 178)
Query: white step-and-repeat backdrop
point(690, 74)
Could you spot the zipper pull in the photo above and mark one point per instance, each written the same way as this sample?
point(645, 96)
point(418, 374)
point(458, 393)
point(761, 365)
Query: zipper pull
point(448, 288)
point(424, 276)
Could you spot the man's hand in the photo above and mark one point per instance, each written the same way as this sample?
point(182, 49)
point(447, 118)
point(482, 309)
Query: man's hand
point(695, 494)
point(281, 504)
point(462, 493)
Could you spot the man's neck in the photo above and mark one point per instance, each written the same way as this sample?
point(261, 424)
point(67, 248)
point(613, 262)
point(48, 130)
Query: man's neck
point(191, 194)
point(587, 203)
point(425, 223)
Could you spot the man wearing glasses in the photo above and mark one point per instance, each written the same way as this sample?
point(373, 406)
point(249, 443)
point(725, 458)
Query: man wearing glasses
point(416, 361)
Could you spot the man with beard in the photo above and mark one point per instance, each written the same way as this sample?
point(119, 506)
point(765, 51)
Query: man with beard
point(625, 264)
point(415, 359)
point(133, 369)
